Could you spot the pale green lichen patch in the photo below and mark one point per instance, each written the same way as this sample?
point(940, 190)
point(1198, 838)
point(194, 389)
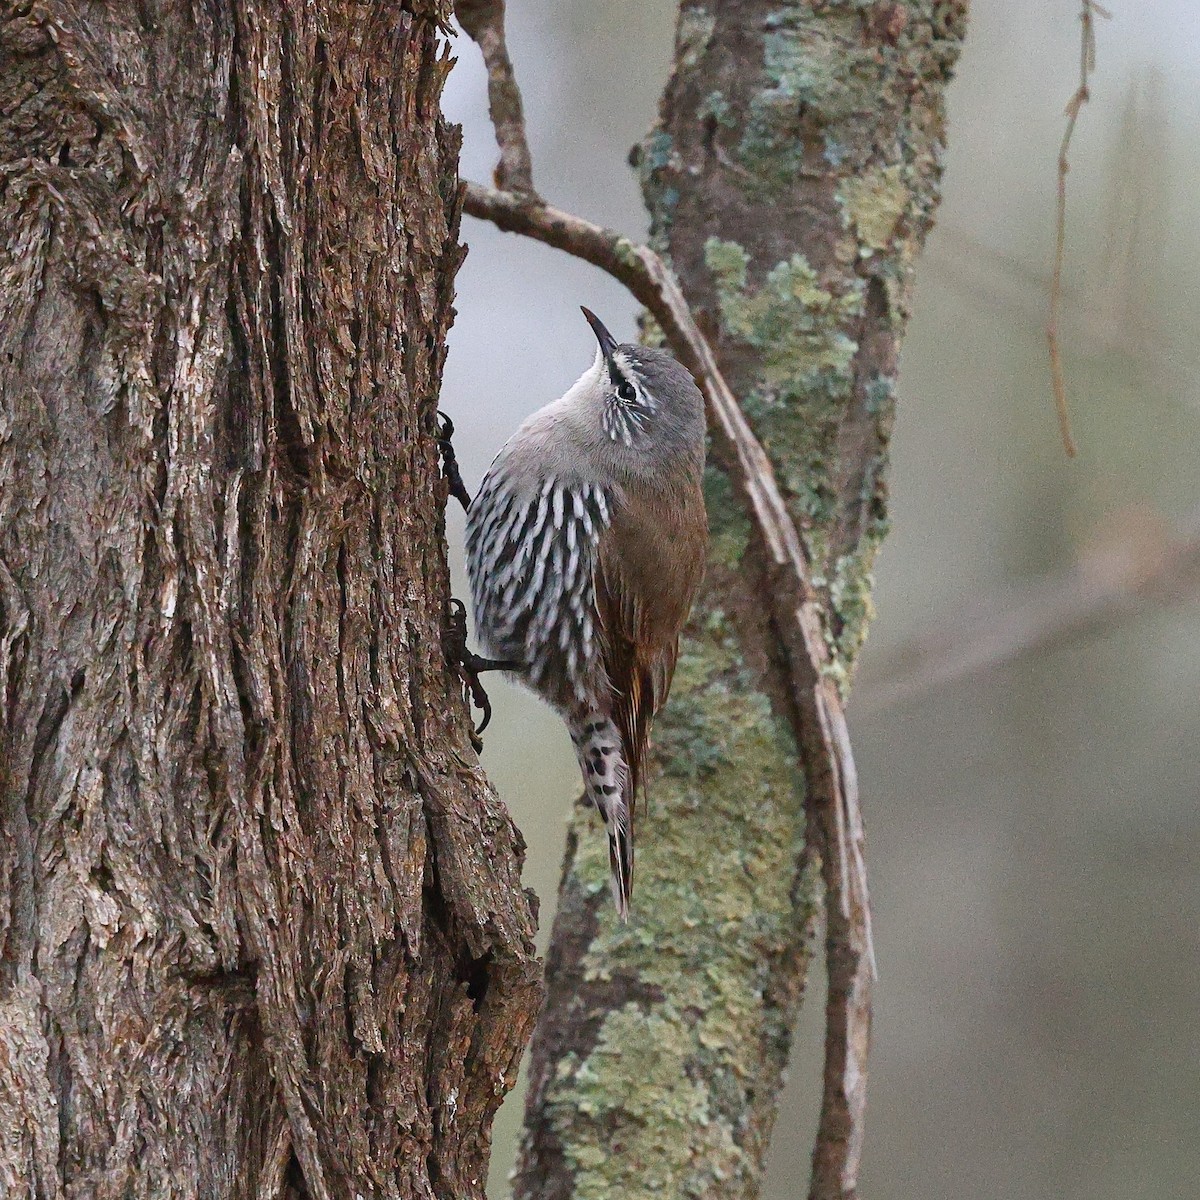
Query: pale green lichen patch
point(654, 157)
point(819, 74)
point(649, 330)
point(850, 594)
point(794, 322)
point(656, 151)
point(798, 328)
point(851, 578)
point(720, 857)
point(820, 61)
point(872, 205)
point(805, 384)
point(716, 106)
point(881, 395)
point(626, 251)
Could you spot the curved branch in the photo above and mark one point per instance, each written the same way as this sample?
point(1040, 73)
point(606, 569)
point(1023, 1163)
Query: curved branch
point(483, 23)
point(830, 775)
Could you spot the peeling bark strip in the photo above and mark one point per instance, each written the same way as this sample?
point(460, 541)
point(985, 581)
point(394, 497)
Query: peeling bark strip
point(791, 179)
point(261, 928)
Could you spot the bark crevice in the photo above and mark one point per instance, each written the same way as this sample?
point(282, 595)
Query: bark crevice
point(229, 745)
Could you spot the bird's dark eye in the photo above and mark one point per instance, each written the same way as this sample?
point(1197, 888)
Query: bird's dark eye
point(625, 390)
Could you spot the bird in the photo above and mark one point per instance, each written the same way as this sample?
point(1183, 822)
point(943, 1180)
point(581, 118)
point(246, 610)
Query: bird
point(586, 545)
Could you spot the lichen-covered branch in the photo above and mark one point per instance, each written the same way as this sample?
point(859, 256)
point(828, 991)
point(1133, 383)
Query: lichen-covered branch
point(791, 179)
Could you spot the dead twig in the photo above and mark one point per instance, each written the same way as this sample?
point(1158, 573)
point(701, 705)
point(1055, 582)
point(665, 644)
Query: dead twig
point(1089, 11)
point(483, 23)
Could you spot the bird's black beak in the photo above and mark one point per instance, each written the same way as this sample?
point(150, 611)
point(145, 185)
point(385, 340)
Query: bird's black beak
point(608, 343)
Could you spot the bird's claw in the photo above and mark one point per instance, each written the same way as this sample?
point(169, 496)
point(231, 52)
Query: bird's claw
point(450, 471)
point(470, 666)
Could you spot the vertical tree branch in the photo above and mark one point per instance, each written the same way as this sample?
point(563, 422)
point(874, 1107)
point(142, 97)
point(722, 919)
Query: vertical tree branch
point(483, 23)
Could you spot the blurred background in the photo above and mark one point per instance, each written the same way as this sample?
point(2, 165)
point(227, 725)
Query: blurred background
point(1027, 712)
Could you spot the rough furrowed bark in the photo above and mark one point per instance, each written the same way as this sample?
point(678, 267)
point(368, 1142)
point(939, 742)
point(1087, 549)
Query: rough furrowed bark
point(261, 925)
point(791, 178)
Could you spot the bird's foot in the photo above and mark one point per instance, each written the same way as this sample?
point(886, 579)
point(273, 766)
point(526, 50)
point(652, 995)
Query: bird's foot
point(450, 471)
point(470, 666)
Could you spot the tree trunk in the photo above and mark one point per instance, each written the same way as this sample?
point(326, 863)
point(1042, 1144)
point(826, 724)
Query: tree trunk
point(791, 179)
point(261, 924)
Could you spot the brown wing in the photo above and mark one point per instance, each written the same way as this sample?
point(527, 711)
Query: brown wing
point(650, 564)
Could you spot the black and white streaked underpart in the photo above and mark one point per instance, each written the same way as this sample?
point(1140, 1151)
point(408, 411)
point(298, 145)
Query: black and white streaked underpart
point(605, 780)
point(534, 599)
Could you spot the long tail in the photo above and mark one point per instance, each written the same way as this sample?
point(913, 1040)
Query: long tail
point(606, 782)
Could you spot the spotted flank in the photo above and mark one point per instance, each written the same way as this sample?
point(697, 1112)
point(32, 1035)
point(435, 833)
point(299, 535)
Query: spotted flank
point(606, 785)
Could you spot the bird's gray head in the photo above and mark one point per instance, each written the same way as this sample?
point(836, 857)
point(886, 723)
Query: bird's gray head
point(648, 404)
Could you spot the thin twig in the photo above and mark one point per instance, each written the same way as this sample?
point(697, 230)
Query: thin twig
point(828, 761)
point(1089, 10)
point(483, 23)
